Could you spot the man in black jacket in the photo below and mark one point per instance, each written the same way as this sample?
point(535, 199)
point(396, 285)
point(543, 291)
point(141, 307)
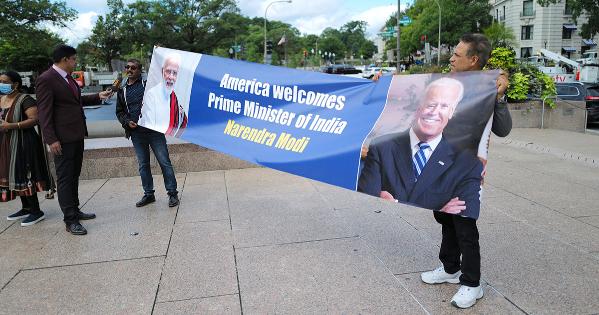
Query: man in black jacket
point(128, 112)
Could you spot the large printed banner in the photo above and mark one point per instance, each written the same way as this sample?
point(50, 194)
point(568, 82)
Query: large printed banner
point(424, 134)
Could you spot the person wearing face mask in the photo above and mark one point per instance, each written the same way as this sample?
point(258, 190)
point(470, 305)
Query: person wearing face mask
point(128, 112)
point(23, 163)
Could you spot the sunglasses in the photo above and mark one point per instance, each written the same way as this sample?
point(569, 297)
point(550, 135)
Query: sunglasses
point(127, 67)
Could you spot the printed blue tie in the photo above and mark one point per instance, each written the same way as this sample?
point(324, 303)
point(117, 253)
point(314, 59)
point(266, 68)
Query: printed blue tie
point(419, 159)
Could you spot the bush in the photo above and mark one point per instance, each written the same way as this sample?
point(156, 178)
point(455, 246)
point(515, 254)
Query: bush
point(525, 79)
point(519, 86)
point(414, 69)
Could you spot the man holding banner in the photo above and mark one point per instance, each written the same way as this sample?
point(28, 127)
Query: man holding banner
point(460, 234)
point(432, 174)
point(128, 111)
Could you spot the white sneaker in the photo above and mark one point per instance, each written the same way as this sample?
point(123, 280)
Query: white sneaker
point(440, 276)
point(467, 296)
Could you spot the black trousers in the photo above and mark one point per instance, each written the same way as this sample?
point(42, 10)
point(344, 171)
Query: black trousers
point(68, 169)
point(31, 203)
point(460, 237)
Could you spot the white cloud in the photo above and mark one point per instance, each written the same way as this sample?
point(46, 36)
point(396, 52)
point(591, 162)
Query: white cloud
point(376, 18)
point(314, 17)
point(77, 30)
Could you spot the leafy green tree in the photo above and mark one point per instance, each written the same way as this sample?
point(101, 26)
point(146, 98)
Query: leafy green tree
point(192, 25)
point(499, 35)
point(457, 18)
point(25, 44)
point(17, 15)
point(353, 36)
point(580, 7)
point(106, 34)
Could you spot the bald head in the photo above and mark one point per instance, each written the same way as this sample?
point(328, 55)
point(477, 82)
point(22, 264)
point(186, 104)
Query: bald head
point(170, 70)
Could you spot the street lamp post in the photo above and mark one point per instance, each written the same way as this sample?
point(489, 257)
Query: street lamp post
point(266, 10)
point(439, 37)
point(398, 33)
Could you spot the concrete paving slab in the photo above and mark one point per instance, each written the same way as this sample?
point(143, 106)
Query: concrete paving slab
point(400, 246)
point(15, 254)
point(437, 298)
point(545, 164)
point(537, 273)
point(203, 203)
point(120, 231)
point(211, 178)
point(106, 288)
point(104, 243)
point(335, 276)
point(341, 198)
point(276, 219)
point(593, 220)
point(200, 262)
point(265, 182)
point(550, 223)
point(228, 304)
point(578, 200)
point(552, 138)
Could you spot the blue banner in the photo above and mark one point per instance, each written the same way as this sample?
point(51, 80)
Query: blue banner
point(306, 123)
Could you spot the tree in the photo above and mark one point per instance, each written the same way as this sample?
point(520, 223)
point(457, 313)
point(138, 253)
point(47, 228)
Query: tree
point(18, 15)
point(25, 44)
point(106, 34)
point(192, 25)
point(499, 35)
point(580, 7)
point(457, 18)
point(353, 36)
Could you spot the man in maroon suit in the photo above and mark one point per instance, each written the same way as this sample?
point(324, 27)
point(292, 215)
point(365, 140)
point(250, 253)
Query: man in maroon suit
point(62, 121)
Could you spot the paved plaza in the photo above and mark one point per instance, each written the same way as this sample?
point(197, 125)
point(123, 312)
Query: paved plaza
point(259, 241)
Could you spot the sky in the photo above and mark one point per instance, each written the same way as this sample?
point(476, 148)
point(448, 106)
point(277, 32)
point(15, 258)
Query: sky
point(309, 16)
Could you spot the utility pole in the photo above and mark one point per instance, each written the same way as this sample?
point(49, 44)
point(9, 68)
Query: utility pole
point(398, 34)
point(439, 37)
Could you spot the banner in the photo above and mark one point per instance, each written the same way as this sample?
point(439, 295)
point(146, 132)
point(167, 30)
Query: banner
point(320, 126)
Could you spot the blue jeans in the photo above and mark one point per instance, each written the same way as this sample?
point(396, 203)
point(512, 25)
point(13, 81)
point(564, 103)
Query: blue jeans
point(142, 140)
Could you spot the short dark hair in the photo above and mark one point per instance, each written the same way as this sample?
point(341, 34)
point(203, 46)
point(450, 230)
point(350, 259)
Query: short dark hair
point(14, 77)
point(63, 51)
point(135, 61)
point(479, 45)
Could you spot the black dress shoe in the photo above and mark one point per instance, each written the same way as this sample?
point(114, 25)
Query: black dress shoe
point(145, 200)
point(173, 201)
point(76, 229)
point(86, 216)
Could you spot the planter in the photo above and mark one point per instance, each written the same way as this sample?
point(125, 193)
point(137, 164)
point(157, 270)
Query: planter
point(567, 115)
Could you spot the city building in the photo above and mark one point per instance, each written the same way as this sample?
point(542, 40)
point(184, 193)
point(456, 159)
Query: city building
point(538, 27)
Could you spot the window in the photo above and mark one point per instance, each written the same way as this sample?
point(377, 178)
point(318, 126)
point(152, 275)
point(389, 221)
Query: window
point(527, 8)
point(566, 33)
point(525, 52)
point(526, 32)
point(497, 14)
point(568, 8)
point(566, 90)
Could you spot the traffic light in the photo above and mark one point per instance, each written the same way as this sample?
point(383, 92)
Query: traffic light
point(269, 47)
point(305, 53)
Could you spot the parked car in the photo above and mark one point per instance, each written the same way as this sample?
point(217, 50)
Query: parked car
point(370, 72)
point(576, 91)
